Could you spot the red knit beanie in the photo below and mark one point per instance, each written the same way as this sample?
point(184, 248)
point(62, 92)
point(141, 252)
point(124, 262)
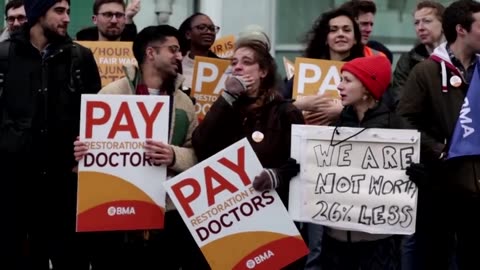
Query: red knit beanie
point(375, 72)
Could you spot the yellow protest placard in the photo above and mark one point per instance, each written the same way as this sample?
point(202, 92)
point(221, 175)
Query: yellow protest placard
point(224, 46)
point(111, 57)
point(207, 83)
point(316, 77)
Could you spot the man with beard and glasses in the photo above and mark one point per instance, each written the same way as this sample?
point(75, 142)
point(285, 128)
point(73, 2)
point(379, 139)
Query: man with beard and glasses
point(157, 51)
point(113, 20)
point(14, 16)
point(39, 121)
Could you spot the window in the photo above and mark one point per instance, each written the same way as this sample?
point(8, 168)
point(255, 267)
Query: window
point(393, 25)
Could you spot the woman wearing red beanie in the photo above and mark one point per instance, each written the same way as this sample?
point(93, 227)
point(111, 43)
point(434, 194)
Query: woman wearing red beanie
point(364, 80)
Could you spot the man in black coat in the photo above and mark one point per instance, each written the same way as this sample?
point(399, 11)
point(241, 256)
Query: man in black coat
point(39, 120)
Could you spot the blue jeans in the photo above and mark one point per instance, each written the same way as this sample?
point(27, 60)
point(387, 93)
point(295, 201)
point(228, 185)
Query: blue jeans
point(409, 253)
point(315, 237)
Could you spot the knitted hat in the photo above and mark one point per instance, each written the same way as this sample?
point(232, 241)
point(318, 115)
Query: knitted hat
point(254, 32)
point(375, 72)
point(37, 8)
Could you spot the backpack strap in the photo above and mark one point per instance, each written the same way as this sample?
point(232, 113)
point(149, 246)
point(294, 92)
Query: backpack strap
point(4, 59)
point(76, 83)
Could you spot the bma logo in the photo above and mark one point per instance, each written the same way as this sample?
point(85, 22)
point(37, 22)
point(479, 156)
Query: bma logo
point(120, 211)
point(261, 258)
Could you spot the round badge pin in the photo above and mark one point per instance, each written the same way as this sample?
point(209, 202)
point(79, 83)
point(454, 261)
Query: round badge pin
point(257, 136)
point(455, 81)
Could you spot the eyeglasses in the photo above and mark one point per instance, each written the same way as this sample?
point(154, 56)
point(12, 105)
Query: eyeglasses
point(110, 15)
point(205, 28)
point(19, 18)
point(172, 48)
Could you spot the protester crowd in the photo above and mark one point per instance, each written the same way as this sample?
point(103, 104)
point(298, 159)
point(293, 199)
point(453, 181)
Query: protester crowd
point(44, 72)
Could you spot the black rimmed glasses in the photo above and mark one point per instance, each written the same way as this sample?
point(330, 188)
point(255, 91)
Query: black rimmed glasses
point(110, 15)
point(206, 27)
point(172, 48)
point(19, 18)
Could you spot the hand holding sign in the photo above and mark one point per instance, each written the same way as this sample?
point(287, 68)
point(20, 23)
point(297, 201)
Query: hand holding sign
point(160, 153)
point(418, 173)
point(312, 103)
point(80, 149)
point(265, 180)
point(327, 110)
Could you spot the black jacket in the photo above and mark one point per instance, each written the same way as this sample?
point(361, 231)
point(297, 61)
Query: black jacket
point(382, 48)
point(91, 33)
point(404, 65)
point(40, 108)
point(378, 117)
point(225, 124)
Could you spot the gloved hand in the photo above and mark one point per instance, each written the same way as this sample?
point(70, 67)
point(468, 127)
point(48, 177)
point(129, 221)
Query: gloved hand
point(235, 85)
point(418, 173)
point(266, 180)
point(289, 170)
point(270, 178)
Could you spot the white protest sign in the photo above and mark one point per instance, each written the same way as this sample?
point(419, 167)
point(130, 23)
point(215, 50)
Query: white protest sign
point(356, 179)
point(119, 188)
point(235, 226)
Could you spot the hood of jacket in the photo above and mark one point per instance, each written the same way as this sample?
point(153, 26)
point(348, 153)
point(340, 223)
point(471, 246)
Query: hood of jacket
point(440, 55)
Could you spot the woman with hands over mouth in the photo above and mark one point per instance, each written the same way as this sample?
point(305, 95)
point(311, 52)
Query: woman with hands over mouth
point(251, 107)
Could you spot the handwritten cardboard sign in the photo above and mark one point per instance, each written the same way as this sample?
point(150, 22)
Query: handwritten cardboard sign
point(119, 188)
point(111, 57)
point(356, 183)
point(235, 226)
point(208, 82)
point(224, 47)
point(316, 77)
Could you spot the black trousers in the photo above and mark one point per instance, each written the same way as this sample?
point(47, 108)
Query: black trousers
point(381, 254)
point(38, 222)
point(448, 222)
point(169, 249)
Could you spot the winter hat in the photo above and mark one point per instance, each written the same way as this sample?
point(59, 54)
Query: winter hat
point(37, 8)
point(375, 72)
point(254, 32)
